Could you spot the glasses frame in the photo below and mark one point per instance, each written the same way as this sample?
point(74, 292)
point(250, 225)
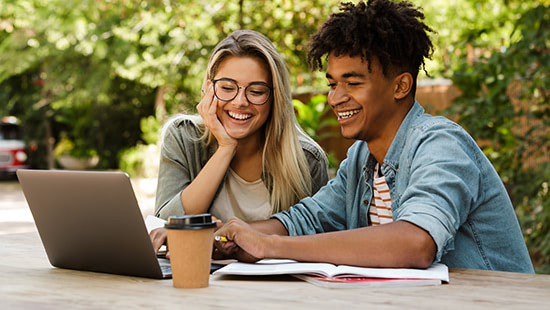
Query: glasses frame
point(245, 90)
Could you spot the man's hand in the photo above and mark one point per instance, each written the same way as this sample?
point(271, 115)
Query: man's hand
point(219, 223)
point(244, 243)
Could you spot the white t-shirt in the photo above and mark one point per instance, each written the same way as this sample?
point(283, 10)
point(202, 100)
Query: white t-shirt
point(248, 201)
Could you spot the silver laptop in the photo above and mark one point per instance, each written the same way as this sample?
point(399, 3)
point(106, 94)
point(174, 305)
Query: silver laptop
point(91, 221)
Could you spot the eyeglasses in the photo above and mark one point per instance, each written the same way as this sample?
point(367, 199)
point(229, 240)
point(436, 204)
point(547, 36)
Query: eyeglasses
point(256, 93)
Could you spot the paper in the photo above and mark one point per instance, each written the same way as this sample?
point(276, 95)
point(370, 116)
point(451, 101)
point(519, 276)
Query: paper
point(153, 222)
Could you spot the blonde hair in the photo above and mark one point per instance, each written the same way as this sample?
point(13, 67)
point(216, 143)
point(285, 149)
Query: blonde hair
point(284, 164)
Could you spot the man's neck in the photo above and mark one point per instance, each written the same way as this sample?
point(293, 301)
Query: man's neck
point(379, 147)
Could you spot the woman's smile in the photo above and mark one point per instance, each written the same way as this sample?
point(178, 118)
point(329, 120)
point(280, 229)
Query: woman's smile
point(239, 115)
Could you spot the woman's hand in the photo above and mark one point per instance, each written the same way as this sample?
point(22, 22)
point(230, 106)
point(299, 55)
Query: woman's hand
point(197, 197)
point(244, 243)
point(158, 238)
point(207, 109)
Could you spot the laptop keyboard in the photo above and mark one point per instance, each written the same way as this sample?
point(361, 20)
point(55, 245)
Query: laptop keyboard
point(165, 267)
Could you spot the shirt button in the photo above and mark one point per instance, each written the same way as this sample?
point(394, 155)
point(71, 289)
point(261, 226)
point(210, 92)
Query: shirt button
point(365, 202)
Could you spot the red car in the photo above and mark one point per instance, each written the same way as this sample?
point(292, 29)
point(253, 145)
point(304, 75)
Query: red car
point(13, 154)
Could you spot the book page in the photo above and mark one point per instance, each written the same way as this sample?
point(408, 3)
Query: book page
point(152, 222)
point(435, 271)
point(276, 267)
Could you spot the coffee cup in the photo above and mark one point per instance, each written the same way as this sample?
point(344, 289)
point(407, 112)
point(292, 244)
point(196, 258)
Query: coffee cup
point(190, 239)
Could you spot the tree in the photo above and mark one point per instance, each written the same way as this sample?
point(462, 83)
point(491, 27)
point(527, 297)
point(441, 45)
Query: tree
point(98, 67)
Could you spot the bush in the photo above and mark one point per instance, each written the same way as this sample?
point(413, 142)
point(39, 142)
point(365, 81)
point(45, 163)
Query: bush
point(312, 118)
point(533, 209)
point(142, 160)
point(505, 103)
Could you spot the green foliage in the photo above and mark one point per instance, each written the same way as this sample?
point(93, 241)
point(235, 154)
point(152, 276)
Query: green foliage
point(142, 160)
point(68, 147)
point(483, 24)
point(315, 121)
point(150, 128)
point(313, 117)
point(505, 103)
point(534, 213)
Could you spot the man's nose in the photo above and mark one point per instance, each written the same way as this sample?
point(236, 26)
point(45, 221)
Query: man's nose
point(337, 96)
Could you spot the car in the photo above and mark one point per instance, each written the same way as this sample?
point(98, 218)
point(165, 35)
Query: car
point(13, 153)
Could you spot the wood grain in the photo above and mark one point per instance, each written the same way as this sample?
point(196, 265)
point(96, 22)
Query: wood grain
point(28, 281)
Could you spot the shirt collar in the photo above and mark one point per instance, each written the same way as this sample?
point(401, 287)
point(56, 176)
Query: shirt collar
point(396, 147)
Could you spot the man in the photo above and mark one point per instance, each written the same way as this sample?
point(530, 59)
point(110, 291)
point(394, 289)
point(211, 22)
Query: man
point(415, 189)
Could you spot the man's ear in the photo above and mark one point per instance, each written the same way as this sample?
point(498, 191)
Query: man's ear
point(403, 85)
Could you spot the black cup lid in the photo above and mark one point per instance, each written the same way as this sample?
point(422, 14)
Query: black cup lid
point(199, 221)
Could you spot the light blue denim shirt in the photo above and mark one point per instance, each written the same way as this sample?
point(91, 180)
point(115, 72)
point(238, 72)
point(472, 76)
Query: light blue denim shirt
point(439, 180)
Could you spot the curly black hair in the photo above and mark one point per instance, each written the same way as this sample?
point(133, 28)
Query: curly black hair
point(391, 32)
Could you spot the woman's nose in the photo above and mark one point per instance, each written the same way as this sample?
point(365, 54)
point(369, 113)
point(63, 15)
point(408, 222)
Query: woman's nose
point(241, 98)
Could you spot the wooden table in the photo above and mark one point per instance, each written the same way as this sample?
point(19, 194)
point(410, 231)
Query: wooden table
point(28, 281)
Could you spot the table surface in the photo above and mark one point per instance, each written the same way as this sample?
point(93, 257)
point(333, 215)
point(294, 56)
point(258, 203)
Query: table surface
point(28, 281)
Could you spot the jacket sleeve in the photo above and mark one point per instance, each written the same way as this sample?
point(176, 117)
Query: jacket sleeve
point(323, 212)
point(318, 167)
point(444, 183)
point(180, 162)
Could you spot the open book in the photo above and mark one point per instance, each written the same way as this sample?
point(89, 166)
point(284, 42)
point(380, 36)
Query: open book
point(328, 275)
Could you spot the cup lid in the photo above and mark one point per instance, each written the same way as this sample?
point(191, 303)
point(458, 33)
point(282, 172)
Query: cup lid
point(198, 221)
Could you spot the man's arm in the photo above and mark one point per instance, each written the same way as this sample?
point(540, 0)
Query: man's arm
point(398, 244)
point(270, 227)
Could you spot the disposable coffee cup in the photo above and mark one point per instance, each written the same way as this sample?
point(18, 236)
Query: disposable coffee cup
point(190, 239)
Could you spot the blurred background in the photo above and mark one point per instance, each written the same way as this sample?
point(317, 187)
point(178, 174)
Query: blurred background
point(87, 84)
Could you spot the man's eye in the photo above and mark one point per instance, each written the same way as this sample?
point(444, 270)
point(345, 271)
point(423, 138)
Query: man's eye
point(331, 85)
point(354, 84)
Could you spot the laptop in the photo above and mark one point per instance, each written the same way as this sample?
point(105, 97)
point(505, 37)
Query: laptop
point(91, 221)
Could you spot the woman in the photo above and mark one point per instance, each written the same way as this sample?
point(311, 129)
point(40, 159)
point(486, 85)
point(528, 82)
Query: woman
point(245, 155)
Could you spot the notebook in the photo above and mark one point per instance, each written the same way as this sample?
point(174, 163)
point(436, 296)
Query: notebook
point(91, 221)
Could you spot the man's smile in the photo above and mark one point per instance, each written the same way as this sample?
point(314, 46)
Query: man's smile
point(347, 114)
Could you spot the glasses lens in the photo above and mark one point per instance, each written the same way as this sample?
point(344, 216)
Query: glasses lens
point(257, 93)
point(225, 89)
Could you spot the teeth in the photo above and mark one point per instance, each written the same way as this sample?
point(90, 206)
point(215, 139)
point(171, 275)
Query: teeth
point(347, 114)
point(239, 116)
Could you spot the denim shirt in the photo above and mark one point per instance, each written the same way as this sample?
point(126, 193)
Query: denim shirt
point(439, 180)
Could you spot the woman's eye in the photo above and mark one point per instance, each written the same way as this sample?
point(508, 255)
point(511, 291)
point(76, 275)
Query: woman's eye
point(228, 88)
point(256, 93)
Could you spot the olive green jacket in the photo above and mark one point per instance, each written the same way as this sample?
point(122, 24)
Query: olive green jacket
point(183, 156)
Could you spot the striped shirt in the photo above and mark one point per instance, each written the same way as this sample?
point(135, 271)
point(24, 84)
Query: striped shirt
point(380, 206)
